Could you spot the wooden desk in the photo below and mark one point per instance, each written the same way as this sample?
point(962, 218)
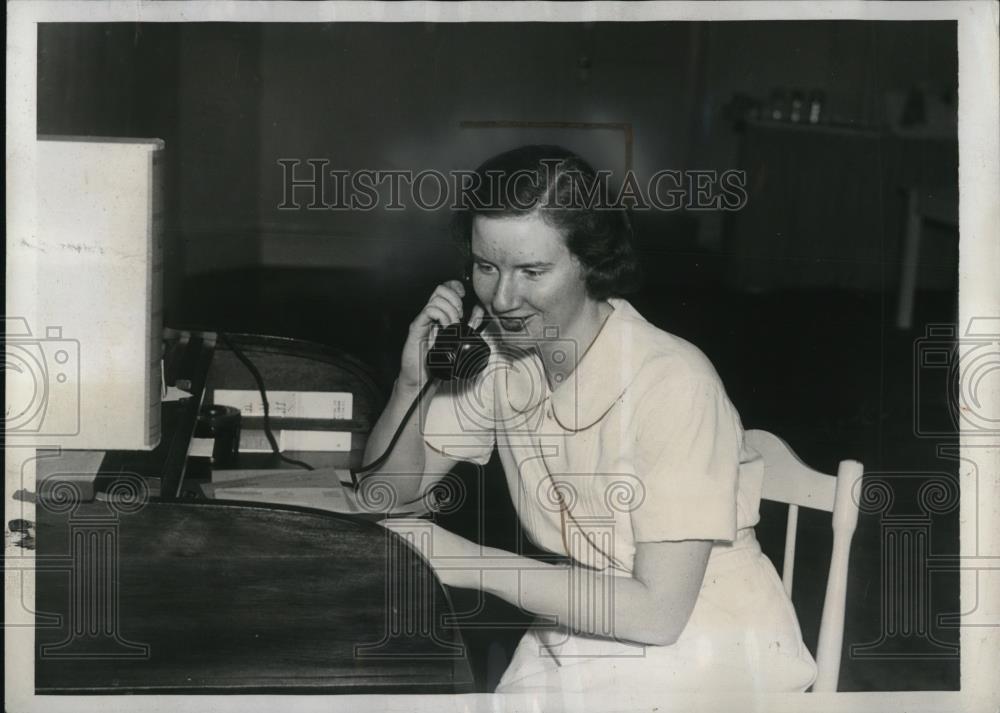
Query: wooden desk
point(225, 598)
point(172, 595)
point(205, 597)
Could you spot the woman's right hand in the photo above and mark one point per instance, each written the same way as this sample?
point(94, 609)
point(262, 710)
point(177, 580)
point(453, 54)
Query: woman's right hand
point(443, 308)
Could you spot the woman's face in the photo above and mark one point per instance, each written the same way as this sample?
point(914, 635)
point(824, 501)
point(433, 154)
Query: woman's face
point(526, 277)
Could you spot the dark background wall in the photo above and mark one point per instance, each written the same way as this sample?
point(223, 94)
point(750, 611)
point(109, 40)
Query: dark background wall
point(231, 99)
point(793, 297)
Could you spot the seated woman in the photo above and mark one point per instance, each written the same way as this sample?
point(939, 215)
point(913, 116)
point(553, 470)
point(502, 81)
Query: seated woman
point(621, 450)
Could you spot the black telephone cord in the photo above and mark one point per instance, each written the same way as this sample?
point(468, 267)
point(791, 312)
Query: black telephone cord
point(263, 396)
point(377, 463)
point(355, 472)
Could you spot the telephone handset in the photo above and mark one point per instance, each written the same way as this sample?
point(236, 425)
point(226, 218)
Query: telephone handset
point(458, 351)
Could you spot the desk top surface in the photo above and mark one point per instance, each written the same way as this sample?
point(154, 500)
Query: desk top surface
point(237, 598)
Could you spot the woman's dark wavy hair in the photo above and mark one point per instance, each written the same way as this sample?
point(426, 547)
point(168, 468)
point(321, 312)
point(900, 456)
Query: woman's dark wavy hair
point(567, 194)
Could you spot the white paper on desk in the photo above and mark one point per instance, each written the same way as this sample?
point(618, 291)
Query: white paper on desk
point(253, 440)
point(334, 405)
point(313, 441)
point(320, 488)
point(229, 475)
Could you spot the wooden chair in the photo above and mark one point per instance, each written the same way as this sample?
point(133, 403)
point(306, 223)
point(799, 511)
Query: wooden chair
point(788, 480)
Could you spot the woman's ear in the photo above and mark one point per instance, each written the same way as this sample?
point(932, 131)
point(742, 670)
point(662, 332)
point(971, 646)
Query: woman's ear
point(585, 271)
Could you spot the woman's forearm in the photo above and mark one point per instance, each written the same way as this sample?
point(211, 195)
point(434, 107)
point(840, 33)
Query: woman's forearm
point(584, 600)
point(652, 606)
point(404, 467)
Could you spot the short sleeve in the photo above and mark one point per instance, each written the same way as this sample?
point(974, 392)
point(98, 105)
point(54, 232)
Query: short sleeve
point(460, 421)
point(687, 452)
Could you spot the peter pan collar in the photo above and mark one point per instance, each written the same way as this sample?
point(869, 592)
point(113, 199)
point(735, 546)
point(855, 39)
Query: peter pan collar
point(601, 376)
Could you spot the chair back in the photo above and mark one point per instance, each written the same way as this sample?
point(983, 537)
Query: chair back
point(788, 480)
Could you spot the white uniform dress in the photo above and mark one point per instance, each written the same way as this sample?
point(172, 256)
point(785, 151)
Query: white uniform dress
point(640, 444)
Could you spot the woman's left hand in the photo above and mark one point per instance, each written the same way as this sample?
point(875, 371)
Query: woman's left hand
point(454, 559)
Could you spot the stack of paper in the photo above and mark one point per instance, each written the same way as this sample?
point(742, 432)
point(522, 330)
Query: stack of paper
point(254, 440)
point(328, 405)
point(318, 406)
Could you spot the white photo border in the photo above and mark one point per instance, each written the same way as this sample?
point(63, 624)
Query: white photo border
point(979, 296)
